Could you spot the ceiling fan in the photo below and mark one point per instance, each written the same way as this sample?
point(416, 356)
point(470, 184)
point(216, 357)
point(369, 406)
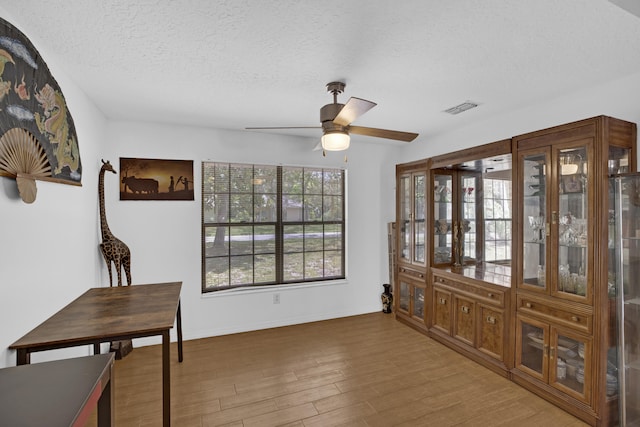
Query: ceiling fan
point(336, 122)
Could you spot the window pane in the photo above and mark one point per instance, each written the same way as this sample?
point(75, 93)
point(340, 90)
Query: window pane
point(264, 268)
point(241, 240)
point(292, 208)
point(265, 208)
point(332, 236)
point(241, 208)
point(313, 238)
point(293, 238)
point(333, 182)
point(314, 265)
point(216, 241)
point(291, 180)
point(313, 181)
point(216, 208)
point(313, 208)
point(264, 239)
point(332, 208)
point(241, 270)
point(241, 178)
point(217, 272)
point(265, 179)
point(293, 267)
point(220, 178)
point(333, 264)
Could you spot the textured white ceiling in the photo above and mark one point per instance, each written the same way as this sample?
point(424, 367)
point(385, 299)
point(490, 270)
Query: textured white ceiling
point(236, 63)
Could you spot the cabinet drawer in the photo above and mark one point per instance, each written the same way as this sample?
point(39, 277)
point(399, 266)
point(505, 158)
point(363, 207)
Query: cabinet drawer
point(581, 321)
point(487, 295)
point(412, 273)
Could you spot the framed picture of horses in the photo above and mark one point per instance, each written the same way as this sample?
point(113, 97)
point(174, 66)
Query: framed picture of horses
point(156, 179)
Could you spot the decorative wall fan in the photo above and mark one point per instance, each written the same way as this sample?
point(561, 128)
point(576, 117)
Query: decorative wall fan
point(336, 122)
point(23, 158)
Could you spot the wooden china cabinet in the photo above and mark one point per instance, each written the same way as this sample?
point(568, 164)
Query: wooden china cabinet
point(410, 280)
point(469, 280)
point(562, 312)
point(506, 253)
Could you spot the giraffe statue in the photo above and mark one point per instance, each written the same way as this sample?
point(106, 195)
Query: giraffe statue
point(113, 249)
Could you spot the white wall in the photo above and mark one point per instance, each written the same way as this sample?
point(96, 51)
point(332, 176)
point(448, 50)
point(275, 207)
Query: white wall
point(49, 249)
point(164, 236)
point(616, 98)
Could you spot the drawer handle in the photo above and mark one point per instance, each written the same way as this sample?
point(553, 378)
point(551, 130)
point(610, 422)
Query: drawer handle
point(575, 318)
point(528, 305)
point(491, 319)
point(490, 295)
point(442, 301)
point(465, 309)
point(441, 280)
point(421, 275)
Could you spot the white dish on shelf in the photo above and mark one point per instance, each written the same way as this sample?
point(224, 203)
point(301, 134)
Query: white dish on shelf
point(535, 337)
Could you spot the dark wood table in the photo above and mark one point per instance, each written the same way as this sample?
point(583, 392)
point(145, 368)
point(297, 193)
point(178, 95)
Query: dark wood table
point(112, 314)
point(62, 393)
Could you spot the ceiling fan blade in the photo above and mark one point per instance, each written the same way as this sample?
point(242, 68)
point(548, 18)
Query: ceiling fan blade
point(383, 133)
point(354, 108)
point(284, 127)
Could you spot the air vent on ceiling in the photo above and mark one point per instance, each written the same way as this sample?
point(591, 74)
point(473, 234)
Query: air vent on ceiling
point(462, 107)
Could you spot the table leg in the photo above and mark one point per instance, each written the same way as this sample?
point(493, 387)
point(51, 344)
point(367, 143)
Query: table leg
point(179, 333)
point(96, 348)
point(23, 357)
point(166, 380)
point(106, 416)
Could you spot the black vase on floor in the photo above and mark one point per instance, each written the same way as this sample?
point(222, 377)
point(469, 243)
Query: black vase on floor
point(387, 298)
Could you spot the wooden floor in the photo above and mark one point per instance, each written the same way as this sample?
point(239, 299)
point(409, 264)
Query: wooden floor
point(365, 370)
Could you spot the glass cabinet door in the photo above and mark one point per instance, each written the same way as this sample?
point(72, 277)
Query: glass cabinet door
point(626, 271)
point(570, 368)
point(534, 219)
point(417, 309)
point(572, 216)
point(533, 346)
point(443, 219)
point(419, 189)
point(404, 202)
point(411, 210)
point(405, 296)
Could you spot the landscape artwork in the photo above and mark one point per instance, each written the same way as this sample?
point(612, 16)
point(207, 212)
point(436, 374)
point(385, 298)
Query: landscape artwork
point(154, 179)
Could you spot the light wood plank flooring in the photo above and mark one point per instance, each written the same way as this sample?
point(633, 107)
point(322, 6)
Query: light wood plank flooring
point(367, 370)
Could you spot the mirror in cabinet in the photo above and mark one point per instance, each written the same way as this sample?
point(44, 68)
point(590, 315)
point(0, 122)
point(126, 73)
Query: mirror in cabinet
point(471, 216)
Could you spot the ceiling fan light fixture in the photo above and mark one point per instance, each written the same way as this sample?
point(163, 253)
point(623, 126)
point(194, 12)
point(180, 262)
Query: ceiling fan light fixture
point(335, 141)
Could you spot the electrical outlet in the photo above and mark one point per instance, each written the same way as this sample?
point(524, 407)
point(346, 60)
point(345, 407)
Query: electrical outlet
point(276, 298)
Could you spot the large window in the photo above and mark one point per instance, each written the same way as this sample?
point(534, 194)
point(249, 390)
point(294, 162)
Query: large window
point(264, 225)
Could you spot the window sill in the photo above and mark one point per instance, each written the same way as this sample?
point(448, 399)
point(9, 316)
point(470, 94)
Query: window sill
point(273, 288)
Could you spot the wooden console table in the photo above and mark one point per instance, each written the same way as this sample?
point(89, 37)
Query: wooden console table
point(62, 393)
point(111, 314)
